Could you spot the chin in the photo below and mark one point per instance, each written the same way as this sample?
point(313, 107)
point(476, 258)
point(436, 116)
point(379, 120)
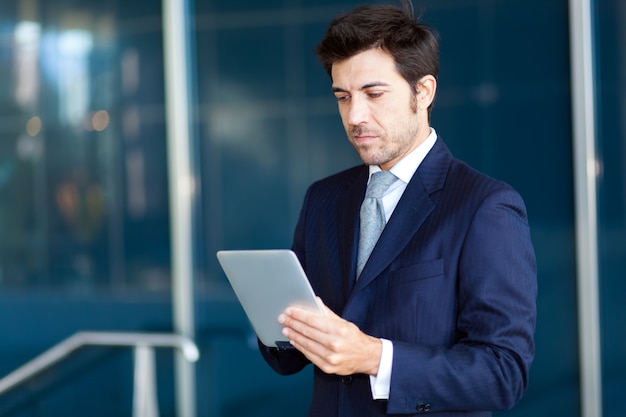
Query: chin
point(367, 161)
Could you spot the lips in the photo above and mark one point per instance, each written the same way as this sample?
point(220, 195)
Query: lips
point(363, 138)
point(360, 135)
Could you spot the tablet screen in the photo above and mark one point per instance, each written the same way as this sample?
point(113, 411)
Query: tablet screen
point(265, 283)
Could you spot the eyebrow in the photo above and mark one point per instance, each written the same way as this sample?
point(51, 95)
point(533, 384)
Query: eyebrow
point(364, 87)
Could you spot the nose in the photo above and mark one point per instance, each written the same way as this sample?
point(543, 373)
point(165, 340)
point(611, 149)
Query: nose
point(357, 112)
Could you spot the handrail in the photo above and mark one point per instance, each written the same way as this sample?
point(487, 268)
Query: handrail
point(82, 339)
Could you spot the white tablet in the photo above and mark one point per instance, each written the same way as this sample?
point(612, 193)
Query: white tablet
point(266, 282)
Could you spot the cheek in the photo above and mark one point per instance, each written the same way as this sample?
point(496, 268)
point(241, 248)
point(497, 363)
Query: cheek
point(387, 113)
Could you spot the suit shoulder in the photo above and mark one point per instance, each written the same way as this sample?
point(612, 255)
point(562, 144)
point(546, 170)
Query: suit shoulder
point(479, 189)
point(463, 175)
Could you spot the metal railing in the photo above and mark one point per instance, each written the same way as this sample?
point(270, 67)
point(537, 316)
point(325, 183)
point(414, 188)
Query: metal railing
point(145, 394)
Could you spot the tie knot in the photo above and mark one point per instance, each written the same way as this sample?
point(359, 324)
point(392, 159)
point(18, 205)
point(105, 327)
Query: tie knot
point(379, 182)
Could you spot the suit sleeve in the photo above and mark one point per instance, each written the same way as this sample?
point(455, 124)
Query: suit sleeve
point(283, 361)
point(487, 367)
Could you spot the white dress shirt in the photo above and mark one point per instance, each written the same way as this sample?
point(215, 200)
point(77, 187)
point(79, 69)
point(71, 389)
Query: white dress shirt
point(404, 170)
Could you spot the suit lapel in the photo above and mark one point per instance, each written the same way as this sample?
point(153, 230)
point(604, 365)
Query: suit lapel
point(347, 226)
point(415, 205)
point(412, 210)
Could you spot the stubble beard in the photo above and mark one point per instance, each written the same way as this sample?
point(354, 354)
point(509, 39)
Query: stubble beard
point(387, 146)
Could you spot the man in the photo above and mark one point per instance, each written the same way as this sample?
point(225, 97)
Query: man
point(441, 316)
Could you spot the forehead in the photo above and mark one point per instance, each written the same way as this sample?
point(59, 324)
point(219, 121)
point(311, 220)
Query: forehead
point(372, 65)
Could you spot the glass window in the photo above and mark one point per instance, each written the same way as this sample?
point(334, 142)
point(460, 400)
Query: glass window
point(83, 192)
point(611, 115)
point(84, 209)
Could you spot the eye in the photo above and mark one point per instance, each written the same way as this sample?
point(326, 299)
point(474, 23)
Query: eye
point(375, 94)
point(342, 97)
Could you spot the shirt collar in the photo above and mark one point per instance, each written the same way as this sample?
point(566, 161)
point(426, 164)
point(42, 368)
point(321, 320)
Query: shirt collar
point(406, 167)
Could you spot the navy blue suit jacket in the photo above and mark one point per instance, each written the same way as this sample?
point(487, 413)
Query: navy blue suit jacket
point(451, 282)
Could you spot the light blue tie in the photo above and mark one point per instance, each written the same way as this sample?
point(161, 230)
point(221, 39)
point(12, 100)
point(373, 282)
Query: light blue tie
point(372, 216)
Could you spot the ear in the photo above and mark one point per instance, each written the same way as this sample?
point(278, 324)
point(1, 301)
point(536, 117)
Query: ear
point(426, 88)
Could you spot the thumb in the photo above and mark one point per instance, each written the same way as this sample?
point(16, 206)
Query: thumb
point(325, 310)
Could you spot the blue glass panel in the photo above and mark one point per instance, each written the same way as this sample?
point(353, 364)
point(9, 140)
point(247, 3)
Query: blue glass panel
point(84, 207)
point(611, 81)
point(504, 107)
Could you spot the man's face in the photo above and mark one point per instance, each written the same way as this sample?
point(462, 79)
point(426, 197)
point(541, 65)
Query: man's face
point(378, 108)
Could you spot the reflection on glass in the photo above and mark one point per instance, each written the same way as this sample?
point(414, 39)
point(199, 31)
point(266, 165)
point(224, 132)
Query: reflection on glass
point(68, 61)
point(83, 185)
point(27, 36)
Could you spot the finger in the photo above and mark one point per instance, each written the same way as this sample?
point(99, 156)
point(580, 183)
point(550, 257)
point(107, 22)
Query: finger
point(319, 359)
point(328, 361)
point(301, 331)
point(312, 349)
point(322, 321)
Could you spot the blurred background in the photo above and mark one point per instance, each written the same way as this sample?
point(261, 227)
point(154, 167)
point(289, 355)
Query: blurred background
point(92, 236)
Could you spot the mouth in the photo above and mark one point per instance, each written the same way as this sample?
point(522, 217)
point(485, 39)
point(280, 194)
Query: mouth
point(360, 136)
point(363, 139)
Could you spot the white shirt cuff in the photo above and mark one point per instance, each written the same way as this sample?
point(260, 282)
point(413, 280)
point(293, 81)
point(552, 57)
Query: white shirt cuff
point(381, 383)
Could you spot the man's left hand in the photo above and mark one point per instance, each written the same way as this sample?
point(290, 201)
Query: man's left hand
point(333, 344)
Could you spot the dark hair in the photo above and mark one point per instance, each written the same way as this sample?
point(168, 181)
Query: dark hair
point(413, 45)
